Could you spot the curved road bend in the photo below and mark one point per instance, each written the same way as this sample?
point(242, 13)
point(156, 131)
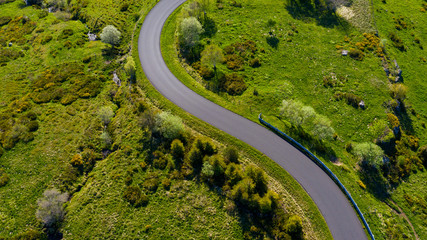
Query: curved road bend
point(334, 206)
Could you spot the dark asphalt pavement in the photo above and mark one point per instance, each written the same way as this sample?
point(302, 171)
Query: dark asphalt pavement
point(334, 206)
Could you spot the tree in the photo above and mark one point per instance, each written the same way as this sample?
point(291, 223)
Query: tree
point(106, 113)
point(369, 153)
point(130, 68)
point(270, 24)
point(168, 125)
point(190, 30)
point(231, 155)
point(398, 91)
point(110, 35)
point(212, 55)
point(177, 151)
point(322, 127)
point(51, 210)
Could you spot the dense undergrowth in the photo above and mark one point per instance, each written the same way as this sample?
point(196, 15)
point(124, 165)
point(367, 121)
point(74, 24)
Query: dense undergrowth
point(130, 168)
point(287, 53)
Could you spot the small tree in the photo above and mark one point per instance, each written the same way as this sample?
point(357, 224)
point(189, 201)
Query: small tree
point(270, 24)
point(212, 55)
point(369, 153)
point(189, 32)
point(106, 113)
point(168, 125)
point(398, 91)
point(231, 155)
point(322, 127)
point(110, 35)
point(177, 151)
point(130, 68)
point(51, 210)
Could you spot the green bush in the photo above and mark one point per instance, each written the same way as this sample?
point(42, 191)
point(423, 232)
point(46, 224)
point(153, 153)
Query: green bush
point(33, 126)
point(166, 183)
point(254, 63)
point(135, 196)
point(356, 54)
point(4, 178)
point(168, 125)
point(234, 62)
point(46, 39)
point(177, 151)
point(4, 20)
point(397, 41)
point(231, 155)
point(65, 34)
point(151, 182)
point(233, 84)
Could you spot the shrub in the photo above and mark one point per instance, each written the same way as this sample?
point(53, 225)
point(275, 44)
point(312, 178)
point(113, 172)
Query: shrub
point(65, 33)
point(398, 91)
point(166, 183)
point(177, 151)
point(130, 68)
point(4, 178)
point(234, 62)
point(50, 208)
point(356, 54)
point(33, 126)
point(205, 146)
point(258, 177)
point(135, 196)
point(369, 153)
point(80, 42)
point(231, 155)
point(151, 183)
point(46, 39)
point(422, 154)
point(160, 161)
point(86, 59)
point(168, 125)
point(233, 174)
point(124, 7)
point(110, 35)
point(195, 157)
point(397, 41)
point(234, 84)
point(294, 227)
point(106, 113)
point(254, 63)
point(4, 20)
point(189, 32)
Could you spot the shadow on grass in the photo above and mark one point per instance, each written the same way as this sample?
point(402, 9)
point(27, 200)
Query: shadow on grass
point(404, 119)
point(273, 41)
point(375, 183)
point(323, 16)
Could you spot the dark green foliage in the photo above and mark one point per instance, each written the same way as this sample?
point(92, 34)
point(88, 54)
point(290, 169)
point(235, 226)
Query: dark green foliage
point(195, 158)
point(166, 183)
point(397, 41)
point(65, 34)
point(233, 84)
point(151, 182)
point(234, 62)
point(177, 151)
point(209, 27)
point(80, 42)
point(16, 30)
point(86, 59)
point(124, 7)
point(231, 155)
point(46, 39)
point(356, 54)
point(4, 20)
point(9, 54)
point(135, 196)
point(205, 146)
point(258, 177)
point(160, 160)
point(4, 178)
point(233, 174)
point(350, 98)
point(254, 63)
point(89, 157)
point(422, 154)
point(33, 126)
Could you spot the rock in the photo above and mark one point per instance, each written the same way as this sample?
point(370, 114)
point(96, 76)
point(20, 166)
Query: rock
point(362, 104)
point(10, 44)
point(344, 52)
point(91, 36)
point(116, 79)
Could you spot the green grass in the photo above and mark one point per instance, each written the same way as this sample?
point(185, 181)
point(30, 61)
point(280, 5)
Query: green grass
point(296, 70)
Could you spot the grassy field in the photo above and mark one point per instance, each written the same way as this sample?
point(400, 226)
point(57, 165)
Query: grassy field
point(308, 54)
point(46, 72)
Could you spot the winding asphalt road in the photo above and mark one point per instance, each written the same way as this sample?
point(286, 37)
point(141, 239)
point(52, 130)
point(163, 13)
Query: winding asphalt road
point(334, 206)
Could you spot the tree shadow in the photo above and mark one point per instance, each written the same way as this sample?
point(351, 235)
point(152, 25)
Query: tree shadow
point(209, 26)
point(375, 182)
point(323, 16)
point(404, 119)
point(273, 41)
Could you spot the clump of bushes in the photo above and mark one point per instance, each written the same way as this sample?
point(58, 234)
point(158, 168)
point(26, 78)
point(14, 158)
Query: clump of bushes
point(65, 34)
point(254, 63)
point(233, 84)
point(4, 178)
point(397, 41)
point(356, 54)
point(350, 98)
point(135, 196)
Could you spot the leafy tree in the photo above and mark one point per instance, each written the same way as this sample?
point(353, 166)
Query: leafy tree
point(233, 174)
point(177, 151)
point(322, 128)
point(231, 155)
point(50, 208)
point(110, 35)
point(189, 32)
point(168, 125)
point(270, 24)
point(106, 113)
point(398, 91)
point(294, 227)
point(130, 68)
point(207, 170)
point(258, 177)
point(212, 55)
point(369, 153)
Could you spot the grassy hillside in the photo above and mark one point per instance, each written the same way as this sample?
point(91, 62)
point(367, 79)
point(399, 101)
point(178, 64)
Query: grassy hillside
point(66, 125)
point(300, 58)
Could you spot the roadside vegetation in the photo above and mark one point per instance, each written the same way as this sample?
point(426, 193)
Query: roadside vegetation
point(320, 71)
point(88, 148)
